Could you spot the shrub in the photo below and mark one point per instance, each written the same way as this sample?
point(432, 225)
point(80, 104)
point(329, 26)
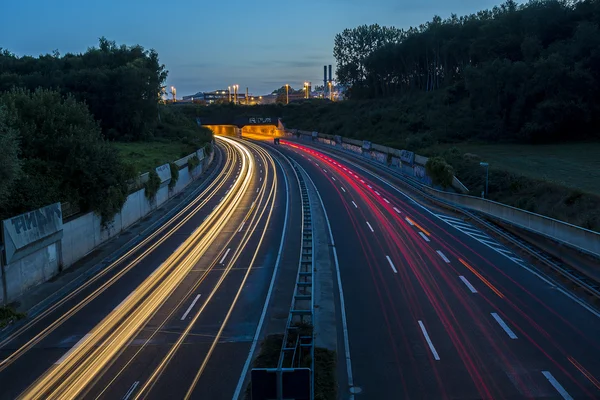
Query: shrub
point(152, 185)
point(440, 171)
point(174, 175)
point(193, 162)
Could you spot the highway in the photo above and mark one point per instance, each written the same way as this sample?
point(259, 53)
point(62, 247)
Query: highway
point(176, 310)
point(436, 308)
point(428, 306)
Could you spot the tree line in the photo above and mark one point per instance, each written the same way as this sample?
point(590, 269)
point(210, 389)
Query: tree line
point(58, 115)
point(119, 84)
point(528, 72)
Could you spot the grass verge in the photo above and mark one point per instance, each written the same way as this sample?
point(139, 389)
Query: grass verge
point(8, 314)
point(145, 156)
point(574, 165)
point(522, 190)
point(325, 367)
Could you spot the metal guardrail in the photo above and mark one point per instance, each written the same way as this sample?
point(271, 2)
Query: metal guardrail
point(294, 375)
point(297, 350)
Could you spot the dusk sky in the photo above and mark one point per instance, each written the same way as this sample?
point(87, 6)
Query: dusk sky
point(210, 45)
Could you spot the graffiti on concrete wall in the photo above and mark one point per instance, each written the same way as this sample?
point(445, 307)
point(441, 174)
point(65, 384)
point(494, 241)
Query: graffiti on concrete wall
point(32, 227)
point(421, 174)
point(352, 148)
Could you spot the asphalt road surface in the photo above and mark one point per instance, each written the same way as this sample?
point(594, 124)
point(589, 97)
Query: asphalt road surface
point(434, 307)
point(175, 316)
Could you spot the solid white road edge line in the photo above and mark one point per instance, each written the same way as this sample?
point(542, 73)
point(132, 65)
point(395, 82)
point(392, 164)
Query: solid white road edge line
point(468, 284)
point(241, 380)
point(443, 256)
point(557, 386)
point(391, 264)
point(224, 256)
point(190, 307)
point(501, 322)
point(433, 350)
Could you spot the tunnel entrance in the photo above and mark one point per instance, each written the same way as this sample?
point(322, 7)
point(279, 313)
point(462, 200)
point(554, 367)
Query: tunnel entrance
point(243, 126)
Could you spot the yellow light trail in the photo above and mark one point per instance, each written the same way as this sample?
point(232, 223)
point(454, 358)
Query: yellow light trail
point(227, 172)
point(165, 361)
point(243, 241)
point(67, 379)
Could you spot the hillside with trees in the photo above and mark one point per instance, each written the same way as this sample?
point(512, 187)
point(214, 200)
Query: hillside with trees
point(526, 73)
point(59, 115)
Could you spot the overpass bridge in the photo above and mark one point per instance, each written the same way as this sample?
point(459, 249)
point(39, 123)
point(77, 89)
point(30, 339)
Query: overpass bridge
point(239, 126)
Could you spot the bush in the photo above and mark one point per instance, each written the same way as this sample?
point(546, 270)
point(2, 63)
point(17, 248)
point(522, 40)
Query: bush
point(440, 171)
point(152, 185)
point(174, 175)
point(8, 314)
point(193, 162)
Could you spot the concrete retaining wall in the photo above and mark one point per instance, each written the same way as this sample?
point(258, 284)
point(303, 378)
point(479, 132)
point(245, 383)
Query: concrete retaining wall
point(31, 270)
point(83, 234)
point(575, 236)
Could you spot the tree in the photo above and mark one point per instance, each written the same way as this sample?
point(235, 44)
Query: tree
point(281, 90)
point(441, 173)
point(120, 84)
point(353, 46)
point(525, 72)
point(10, 165)
point(63, 156)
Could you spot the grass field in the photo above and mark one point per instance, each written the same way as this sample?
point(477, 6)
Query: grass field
point(145, 156)
point(572, 165)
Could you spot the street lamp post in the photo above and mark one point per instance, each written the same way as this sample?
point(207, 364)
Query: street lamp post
point(229, 93)
point(287, 97)
point(487, 167)
point(306, 90)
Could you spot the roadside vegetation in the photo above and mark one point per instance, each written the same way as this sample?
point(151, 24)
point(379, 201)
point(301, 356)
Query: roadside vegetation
point(9, 315)
point(325, 367)
point(76, 128)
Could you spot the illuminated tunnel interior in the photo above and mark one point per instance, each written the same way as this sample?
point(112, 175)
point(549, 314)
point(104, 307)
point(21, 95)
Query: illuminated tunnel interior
point(248, 130)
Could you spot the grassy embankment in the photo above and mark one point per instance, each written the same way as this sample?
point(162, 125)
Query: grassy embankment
point(175, 136)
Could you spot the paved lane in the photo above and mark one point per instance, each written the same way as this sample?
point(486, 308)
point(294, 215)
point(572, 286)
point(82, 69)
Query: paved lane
point(459, 318)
